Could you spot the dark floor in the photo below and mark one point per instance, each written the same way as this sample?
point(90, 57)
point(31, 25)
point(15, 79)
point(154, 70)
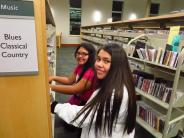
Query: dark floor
point(64, 66)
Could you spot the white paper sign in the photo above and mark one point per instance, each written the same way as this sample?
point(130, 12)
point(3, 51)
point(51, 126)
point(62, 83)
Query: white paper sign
point(18, 52)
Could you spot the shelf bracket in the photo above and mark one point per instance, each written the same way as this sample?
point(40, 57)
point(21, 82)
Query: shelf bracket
point(176, 119)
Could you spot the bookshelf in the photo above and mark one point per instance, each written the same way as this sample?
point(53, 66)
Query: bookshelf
point(153, 98)
point(148, 128)
point(51, 39)
point(51, 48)
point(164, 101)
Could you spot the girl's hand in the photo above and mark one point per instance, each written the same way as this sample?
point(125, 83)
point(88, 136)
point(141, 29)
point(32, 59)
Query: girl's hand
point(51, 98)
point(50, 79)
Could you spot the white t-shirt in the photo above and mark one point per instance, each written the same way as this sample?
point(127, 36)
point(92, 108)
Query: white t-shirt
point(68, 112)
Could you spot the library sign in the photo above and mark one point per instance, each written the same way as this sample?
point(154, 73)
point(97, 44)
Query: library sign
point(18, 51)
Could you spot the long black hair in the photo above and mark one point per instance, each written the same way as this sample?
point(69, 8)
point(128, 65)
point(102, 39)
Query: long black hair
point(91, 57)
point(107, 111)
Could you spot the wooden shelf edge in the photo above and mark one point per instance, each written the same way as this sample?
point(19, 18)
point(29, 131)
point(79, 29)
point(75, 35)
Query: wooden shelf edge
point(156, 18)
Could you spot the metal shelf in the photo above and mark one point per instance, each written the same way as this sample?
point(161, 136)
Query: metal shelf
point(153, 63)
point(125, 29)
point(150, 129)
point(153, 99)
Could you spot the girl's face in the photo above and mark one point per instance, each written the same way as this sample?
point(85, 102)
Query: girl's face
point(82, 56)
point(102, 64)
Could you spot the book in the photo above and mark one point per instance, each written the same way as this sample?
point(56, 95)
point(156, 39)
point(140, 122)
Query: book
point(161, 90)
point(176, 62)
point(143, 74)
point(173, 59)
point(157, 82)
point(144, 52)
point(162, 57)
point(151, 86)
point(138, 45)
point(131, 51)
point(168, 97)
point(140, 55)
point(174, 38)
point(154, 118)
point(145, 85)
point(166, 57)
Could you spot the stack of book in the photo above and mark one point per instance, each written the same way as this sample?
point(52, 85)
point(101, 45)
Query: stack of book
point(157, 87)
point(151, 116)
point(160, 56)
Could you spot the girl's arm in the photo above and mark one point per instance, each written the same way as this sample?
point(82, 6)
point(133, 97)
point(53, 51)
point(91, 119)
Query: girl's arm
point(64, 80)
point(78, 87)
point(68, 112)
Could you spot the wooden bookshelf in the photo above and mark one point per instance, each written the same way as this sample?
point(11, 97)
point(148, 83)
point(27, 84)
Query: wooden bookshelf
point(51, 49)
point(152, 22)
point(25, 102)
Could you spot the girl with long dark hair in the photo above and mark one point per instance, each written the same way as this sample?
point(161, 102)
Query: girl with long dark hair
point(111, 110)
point(80, 82)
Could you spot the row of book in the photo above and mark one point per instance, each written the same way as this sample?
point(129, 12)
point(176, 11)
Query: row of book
point(100, 41)
point(160, 56)
point(154, 118)
point(145, 31)
point(149, 31)
point(157, 87)
point(95, 39)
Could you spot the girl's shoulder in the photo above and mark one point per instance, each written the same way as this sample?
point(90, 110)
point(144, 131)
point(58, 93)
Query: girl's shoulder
point(91, 69)
point(90, 72)
point(77, 69)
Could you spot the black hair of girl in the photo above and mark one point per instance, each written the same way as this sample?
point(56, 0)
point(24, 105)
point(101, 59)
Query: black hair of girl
point(91, 57)
point(107, 111)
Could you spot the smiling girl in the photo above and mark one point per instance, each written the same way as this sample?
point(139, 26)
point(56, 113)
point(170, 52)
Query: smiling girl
point(81, 82)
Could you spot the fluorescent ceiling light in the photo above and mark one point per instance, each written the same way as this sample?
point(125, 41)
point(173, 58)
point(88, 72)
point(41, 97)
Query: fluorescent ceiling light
point(132, 16)
point(97, 16)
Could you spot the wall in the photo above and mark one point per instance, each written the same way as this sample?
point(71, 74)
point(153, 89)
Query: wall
point(24, 100)
point(177, 5)
point(61, 15)
point(165, 6)
point(89, 6)
point(132, 6)
point(62, 20)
